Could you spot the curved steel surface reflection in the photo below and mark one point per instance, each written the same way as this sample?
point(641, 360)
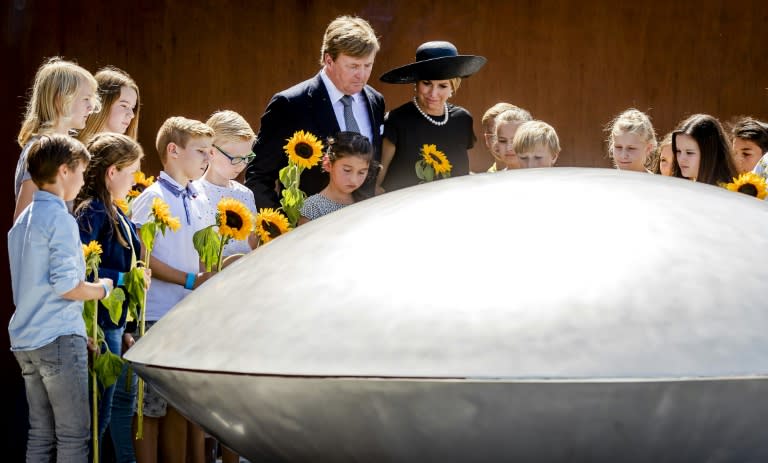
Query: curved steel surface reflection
point(548, 314)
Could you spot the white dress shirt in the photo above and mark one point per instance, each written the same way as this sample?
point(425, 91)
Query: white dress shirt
point(359, 107)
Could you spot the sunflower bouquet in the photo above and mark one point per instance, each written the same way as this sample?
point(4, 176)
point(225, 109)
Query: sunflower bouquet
point(304, 151)
point(160, 219)
point(432, 164)
point(748, 183)
point(106, 367)
point(233, 221)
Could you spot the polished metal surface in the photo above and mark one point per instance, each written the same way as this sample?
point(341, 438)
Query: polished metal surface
point(559, 314)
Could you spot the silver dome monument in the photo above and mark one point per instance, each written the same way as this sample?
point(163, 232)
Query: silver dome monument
point(547, 315)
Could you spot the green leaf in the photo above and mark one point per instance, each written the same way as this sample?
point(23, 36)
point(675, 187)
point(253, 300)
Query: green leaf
point(429, 174)
point(293, 216)
point(107, 367)
point(207, 243)
point(114, 304)
point(147, 234)
point(134, 285)
point(420, 169)
point(89, 314)
point(285, 175)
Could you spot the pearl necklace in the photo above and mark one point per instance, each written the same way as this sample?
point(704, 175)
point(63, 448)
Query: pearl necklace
point(427, 117)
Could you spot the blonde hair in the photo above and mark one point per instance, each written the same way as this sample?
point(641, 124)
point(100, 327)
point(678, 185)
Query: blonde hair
point(531, 134)
point(455, 83)
point(514, 114)
point(56, 85)
point(491, 113)
point(229, 126)
point(349, 35)
point(111, 81)
point(179, 130)
point(631, 121)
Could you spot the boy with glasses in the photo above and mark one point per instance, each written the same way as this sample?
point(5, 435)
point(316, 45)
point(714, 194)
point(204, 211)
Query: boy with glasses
point(232, 151)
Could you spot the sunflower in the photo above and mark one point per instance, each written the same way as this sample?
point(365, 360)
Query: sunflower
point(234, 219)
point(270, 224)
point(122, 204)
point(91, 249)
point(749, 183)
point(436, 159)
point(162, 214)
point(140, 183)
point(304, 149)
point(92, 254)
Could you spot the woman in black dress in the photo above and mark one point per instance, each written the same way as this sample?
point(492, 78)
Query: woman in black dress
point(428, 119)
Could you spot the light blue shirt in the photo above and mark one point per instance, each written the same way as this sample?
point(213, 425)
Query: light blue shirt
point(46, 262)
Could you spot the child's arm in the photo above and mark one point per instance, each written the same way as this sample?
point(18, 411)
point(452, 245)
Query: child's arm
point(86, 291)
point(26, 192)
point(165, 272)
point(253, 240)
point(303, 220)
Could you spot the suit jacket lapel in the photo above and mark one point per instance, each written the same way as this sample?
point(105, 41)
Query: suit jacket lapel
point(321, 107)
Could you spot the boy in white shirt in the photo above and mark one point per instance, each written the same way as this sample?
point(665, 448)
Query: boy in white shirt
point(184, 147)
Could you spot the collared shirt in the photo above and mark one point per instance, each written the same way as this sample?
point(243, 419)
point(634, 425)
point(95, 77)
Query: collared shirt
point(359, 107)
point(211, 194)
point(46, 261)
point(174, 248)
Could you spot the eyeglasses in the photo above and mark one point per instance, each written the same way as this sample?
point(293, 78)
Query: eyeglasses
point(235, 160)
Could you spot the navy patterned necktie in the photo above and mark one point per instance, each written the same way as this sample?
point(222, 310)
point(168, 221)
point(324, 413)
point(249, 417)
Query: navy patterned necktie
point(185, 193)
point(349, 116)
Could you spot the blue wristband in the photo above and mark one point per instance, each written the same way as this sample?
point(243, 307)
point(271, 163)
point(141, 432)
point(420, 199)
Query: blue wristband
point(190, 283)
point(120, 279)
point(106, 290)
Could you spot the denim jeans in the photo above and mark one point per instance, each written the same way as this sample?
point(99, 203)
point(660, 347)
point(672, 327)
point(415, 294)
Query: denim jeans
point(121, 425)
point(116, 404)
point(56, 380)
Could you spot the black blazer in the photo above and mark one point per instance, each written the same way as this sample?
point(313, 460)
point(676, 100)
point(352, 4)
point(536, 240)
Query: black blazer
point(305, 106)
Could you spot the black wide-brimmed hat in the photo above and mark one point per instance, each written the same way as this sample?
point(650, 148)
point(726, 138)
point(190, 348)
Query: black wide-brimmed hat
point(437, 60)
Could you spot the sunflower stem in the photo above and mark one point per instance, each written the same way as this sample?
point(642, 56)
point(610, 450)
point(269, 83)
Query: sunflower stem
point(222, 242)
point(140, 384)
point(94, 382)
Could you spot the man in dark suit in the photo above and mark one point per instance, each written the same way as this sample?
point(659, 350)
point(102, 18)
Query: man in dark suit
point(321, 105)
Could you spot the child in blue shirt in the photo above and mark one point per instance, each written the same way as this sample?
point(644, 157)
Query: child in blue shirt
point(47, 332)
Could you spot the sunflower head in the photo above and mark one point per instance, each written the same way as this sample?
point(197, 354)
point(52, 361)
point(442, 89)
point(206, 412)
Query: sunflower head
point(436, 159)
point(304, 149)
point(140, 183)
point(270, 224)
point(92, 254)
point(234, 219)
point(122, 204)
point(750, 184)
point(91, 249)
point(162, 215)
